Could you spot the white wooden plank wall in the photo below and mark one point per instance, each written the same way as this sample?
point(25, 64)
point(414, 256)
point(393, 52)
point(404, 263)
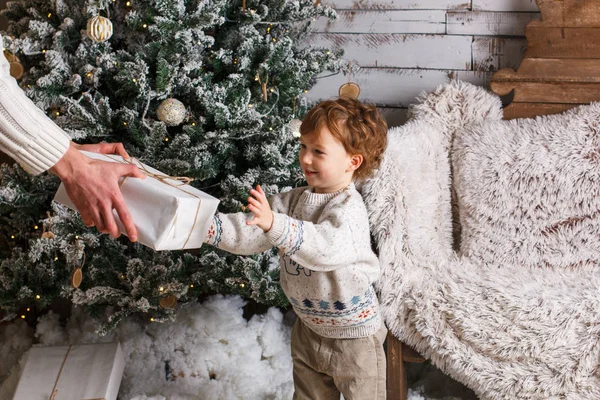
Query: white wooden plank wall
point(405, 47)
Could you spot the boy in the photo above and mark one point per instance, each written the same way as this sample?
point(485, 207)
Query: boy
point(327, 265)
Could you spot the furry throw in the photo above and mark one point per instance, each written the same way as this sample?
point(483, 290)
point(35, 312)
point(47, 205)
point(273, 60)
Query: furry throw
point(505, 330)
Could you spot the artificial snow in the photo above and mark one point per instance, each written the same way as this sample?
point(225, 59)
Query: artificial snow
point(210, 352)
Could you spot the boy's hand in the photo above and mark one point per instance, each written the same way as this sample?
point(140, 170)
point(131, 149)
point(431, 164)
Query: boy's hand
point(258, 204)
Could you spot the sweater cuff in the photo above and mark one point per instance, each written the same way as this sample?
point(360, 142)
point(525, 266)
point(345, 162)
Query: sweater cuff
point(277, 232)
point(28, 135)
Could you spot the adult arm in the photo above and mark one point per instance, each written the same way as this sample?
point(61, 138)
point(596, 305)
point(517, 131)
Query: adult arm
point(33, 140)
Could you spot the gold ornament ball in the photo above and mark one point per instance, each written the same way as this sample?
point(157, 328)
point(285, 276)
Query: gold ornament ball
point(99, 29)
point(172, 112)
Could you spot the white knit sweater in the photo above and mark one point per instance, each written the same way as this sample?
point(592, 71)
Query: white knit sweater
point(26, 134)
point(328, 268)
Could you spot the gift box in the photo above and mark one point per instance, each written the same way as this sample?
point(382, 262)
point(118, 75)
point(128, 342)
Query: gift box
point(168, 213)
point(78, 372)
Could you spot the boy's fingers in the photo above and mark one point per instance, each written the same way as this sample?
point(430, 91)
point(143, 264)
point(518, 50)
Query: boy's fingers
point(252, 202)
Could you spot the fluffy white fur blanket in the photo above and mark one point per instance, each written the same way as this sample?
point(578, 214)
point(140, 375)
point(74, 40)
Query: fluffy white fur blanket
point(506, 331)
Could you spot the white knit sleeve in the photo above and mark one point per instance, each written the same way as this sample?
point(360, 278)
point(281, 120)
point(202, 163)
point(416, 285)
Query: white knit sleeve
point(323, 246)
point(26, 134)
point(230, 232)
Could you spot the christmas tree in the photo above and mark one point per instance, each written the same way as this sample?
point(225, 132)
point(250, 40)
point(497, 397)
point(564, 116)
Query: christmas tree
point(197, 88)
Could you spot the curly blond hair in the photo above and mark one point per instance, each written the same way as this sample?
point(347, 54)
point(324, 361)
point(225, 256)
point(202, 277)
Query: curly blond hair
point(359, 127)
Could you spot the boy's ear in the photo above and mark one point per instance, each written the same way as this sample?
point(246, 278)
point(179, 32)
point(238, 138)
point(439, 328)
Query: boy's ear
point(355, 162)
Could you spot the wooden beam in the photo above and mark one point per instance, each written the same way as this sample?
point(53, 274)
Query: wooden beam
point(552, 92)
point(532, 110)
point(399, 51)
point(398, 4)
point(570, 13)
point(392, 87)
point(397, 385)
point(488, 23)
point(551, 70)
point(504, 5)
point(544, 42)
point(388, 21)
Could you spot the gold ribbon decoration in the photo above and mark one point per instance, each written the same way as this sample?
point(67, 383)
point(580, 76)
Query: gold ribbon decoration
point(184, 180)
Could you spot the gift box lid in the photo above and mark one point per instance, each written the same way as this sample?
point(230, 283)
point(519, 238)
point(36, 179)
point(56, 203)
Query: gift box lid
point(78, 372)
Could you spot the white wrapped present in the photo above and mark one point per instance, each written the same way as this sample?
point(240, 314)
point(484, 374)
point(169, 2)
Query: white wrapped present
point(168, 214)
point(78, 372)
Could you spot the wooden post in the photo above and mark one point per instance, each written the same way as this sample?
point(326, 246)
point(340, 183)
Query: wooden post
point(397, 387)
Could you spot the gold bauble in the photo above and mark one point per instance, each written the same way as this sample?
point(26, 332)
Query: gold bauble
point(171, 111)
point(99, 28)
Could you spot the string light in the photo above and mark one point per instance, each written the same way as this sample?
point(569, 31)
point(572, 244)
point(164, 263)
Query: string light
point(128, 4)
point(250, 106)
point(166, 139)
point(122, 276)
point(23, 316)
point(151, 319)
point(28, 309)
point(124, 123)
point(193, 124)
point(55, 258)
point(144, 26)
point(242, 285)
point(57, 113)
point(76, 236)
point(191, 286)
point(35, 227)
point(12, 236)
point(161, 289)
point(134, 80)
point(37, 296)
point(49, 15)
point(43, 51)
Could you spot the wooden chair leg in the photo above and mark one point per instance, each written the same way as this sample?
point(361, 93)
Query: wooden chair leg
point(397, 386)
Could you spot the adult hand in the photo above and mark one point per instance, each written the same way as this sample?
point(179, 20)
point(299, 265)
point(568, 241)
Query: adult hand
point(259, 205)
point(93, 186)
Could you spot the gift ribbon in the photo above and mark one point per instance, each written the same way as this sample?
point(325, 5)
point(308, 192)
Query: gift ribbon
point(184, 180)
point(55, 388)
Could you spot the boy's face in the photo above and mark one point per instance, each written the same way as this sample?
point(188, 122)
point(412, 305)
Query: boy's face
point(325, 163)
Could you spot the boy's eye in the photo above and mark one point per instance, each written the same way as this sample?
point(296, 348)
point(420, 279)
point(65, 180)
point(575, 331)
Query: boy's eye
point(319, 152)
point(302, 146)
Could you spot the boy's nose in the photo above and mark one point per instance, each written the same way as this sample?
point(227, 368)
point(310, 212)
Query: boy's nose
point(305, 159)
